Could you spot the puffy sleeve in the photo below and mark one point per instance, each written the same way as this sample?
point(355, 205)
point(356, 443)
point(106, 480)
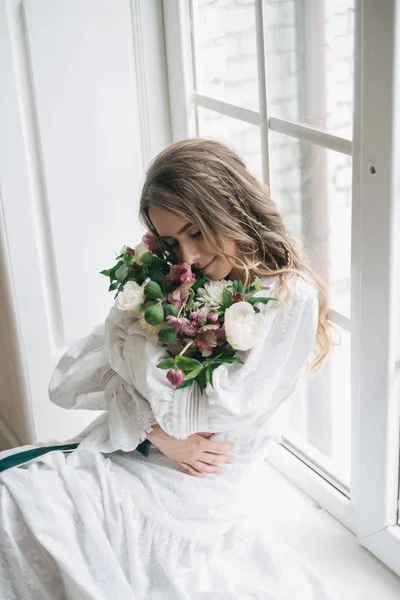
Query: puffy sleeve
point(84, 379)
point(243, 395)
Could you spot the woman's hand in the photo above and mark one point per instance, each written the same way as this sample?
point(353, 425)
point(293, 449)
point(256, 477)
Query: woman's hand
point(195, 455)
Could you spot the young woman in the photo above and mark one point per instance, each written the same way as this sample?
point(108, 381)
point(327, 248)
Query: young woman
point(105, 522)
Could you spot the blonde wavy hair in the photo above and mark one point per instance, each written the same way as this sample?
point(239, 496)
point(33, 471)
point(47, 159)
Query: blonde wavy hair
point(207, 183)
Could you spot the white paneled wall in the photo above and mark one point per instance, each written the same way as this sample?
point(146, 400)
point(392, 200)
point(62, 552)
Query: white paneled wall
point(81, 114)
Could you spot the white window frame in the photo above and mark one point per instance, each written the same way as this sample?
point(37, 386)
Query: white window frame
point(370, 509)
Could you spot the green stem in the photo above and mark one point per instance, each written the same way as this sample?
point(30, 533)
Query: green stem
point(185, 348)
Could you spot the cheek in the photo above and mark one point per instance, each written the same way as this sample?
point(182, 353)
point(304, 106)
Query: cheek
point(206, 249)
point(230, 247)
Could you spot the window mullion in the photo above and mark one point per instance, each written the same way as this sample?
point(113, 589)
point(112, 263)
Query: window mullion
point(178, 47)
point(376, 416)
point(262, 88)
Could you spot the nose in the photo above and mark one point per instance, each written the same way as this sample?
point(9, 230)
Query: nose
point(189, 252)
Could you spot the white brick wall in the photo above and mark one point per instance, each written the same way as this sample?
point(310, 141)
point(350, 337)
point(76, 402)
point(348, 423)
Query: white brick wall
point(227, 68)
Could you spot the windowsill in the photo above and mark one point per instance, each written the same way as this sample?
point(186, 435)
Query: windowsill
point(352, 571)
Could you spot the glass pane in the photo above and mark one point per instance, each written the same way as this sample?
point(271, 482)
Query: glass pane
point(244, 138)
point(319, 412)
point(225, 53)
point(310, 56)
point(312, 187)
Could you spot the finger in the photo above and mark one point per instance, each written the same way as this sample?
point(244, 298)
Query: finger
point(191, 471)
point(215, 459)
point(206, 468)
point(219, 447)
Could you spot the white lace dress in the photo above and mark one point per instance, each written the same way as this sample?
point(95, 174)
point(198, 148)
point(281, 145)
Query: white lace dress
point(106, 523)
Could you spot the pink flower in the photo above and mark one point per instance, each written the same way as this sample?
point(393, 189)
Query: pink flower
point(202, 315)
point(180, 295)
point(213, 318)
point(178, 323)
point(150, 240)
point(130, 250)
point(175, 376)
point(190, 330)
point(182, 273)
point(207, 340)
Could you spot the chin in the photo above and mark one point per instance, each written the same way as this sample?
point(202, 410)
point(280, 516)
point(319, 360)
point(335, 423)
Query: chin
point(219, 273)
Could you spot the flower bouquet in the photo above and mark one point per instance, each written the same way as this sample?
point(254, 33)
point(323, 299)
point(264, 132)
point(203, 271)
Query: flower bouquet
point(202, 323)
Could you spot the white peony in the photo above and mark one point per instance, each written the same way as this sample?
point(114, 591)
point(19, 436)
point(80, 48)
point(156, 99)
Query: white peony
point(131, 297)
point(211, 293)
point(243, 326)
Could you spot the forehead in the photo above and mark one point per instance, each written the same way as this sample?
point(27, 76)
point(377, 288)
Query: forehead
point(167, 223)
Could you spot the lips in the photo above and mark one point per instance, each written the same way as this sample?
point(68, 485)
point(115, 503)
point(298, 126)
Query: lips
point(208, 264)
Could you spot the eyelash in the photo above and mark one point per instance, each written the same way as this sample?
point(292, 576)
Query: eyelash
point(194, 235)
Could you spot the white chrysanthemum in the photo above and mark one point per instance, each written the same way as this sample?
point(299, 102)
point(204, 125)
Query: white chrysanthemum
point(211, 293)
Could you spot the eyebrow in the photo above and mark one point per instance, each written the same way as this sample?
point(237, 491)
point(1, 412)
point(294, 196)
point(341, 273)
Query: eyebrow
point(184, 228)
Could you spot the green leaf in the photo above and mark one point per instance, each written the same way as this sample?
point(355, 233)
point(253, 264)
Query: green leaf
point(121, 273)
point(129, 259)
point(193, 373)
point(202, 380)
point(235, 359)
point(238, 286)
point(113, 270)
point(146, 259)
point(187, 364)
point(158, 263)
point(221, 361)
point(209, 372)
point(258, 284)
point(224, 353)
point(156, 275)
point(226, 298)
point(113, 286)
point(106, 272)
point(166, 364)
point(199, 283)
point(184, 384)
point(259, 300)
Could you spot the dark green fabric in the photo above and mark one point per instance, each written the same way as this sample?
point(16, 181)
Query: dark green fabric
point(144, 447)
point(14, 460)
point(19, 458)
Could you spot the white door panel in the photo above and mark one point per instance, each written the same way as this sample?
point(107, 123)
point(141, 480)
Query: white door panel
point(70, 176)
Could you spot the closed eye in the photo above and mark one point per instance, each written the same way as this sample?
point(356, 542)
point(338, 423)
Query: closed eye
point(172, 245)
